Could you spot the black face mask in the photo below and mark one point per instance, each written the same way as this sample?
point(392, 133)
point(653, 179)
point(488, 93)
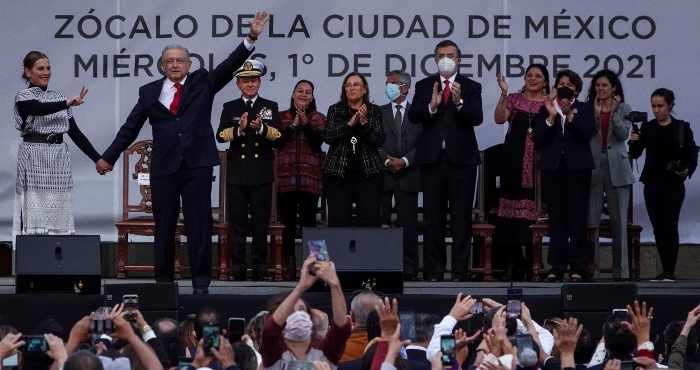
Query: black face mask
point(565, 93)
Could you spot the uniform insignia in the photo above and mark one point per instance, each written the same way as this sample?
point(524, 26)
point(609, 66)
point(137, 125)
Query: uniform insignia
point(265, 113)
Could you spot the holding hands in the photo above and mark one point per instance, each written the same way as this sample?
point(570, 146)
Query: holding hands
point(78, 99)
point(102, 167)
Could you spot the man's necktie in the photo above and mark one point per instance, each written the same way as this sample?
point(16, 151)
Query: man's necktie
point(176, 98)
point(249, 105)
point(446, 92)
point(398, 120)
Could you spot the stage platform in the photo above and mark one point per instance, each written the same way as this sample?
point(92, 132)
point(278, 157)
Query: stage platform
point(671, 301)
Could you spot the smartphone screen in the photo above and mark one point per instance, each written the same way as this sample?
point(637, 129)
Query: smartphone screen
point(513, 307)
point(210, 334)
point(10, 361)
point(183, 363)
point(100, 323)
point(317, 248)
point(477, 309)
point(447, 347)
point(33, 343)
point(627, 365)
point(523, 341)
point(408, 325)
point(236, 329)
point(131, 303)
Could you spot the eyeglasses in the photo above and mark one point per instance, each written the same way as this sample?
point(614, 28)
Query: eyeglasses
point(356, 84)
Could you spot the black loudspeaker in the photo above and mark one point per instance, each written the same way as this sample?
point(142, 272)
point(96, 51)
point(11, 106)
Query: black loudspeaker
point(58, 263)
point(364, 257)
point(592, 303)
point(156, 300)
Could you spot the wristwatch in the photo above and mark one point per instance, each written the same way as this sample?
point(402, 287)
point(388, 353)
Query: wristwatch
point(460, 104)
point(146, 329)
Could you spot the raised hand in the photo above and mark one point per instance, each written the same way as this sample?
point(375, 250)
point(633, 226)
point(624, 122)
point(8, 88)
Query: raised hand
point(461, 308)
point(78, 99)
point(388, 317)
point(435, 98)
point(456, 90)
point(325, 270)
point(641, 321)
point(9, 345)
point(615, 103)
point(225, 353)
point(551, 110)
point(258, 23)
point(102, 167)
point(57, 350)
point(597, 106)
point(502, 83)
point(300, 118)
point(306, 280)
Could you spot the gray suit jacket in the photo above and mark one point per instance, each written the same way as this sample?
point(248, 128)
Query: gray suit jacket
point(409, 178)
point(618, 156)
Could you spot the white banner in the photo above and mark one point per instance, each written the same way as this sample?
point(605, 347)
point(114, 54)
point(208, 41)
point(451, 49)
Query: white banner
point(113, 46)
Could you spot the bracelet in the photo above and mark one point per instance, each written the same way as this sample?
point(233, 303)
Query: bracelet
point(254, 38)
point(504, 94)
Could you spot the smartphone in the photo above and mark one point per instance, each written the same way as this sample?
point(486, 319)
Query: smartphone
point(100, 323)
point(236, 329)
point(622, 310)
point(449, 352)
point(34, 343)
point(513, 307)
point(210, 334)
point(408, 325)
point(317, 248)
point(10, 361)
point(523, 341)
point(627, 365)
point(131, 303)
point(183, 363)
point(477, 309)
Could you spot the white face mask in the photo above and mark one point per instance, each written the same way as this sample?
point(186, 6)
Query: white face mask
point(446, 66)
point(298, 327)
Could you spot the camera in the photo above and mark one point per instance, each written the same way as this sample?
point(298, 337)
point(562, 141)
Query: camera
point(679, 165)
point(636, 116)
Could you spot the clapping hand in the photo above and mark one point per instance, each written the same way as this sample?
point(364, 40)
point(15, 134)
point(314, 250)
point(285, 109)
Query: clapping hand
point(258, 23)
point(502, 83)
point(243, 122)
point(362, 114)
point(78, 99)
point(435, 98)
point(456, 90)
point(300, 118)
point(256, 123)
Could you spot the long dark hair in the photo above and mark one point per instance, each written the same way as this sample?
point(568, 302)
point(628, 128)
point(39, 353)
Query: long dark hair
point(29, 61)
point(545, 73)
point(344, 97)
point(614, 82)
point(311, 107)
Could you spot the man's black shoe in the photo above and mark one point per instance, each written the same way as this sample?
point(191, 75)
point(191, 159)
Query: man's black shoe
point(237, 276)
point(261, 276)
point(410, 277)
point(200, 291)
point(434, 278)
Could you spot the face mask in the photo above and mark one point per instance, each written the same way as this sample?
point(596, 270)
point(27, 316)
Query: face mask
point(446, 66)
point(298, 328)
point(392, 91)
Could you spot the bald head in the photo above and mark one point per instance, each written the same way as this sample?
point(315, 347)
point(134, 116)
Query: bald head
point(320, 320)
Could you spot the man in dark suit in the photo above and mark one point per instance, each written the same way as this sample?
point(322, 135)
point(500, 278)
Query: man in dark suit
point(251, 124)
point(448, 106)
point(178, 108)
point(401, 177)
point(425, 326)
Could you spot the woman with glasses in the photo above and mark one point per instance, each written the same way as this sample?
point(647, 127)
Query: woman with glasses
point(353, 169)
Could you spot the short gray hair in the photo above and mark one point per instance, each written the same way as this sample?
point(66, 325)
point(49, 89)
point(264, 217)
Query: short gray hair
point(362, 305)
point(174, 46)
point(404, 77)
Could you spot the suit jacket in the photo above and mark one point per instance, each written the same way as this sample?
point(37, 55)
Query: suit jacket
point(357, 365)
point(456, 126)
point(417, 355)
point(573, 145)
point(646, 141)
point(250, 157)
point(189, 134)
point(409, 178)
point(618, 156)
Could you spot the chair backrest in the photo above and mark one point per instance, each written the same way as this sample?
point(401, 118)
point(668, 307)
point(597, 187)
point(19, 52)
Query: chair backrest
point(540, 206)
point(479, 210)
point(273, 214)
point(141, 153)
point(219, 210)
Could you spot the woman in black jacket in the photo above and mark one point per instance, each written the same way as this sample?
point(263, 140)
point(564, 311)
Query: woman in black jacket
point(672, 156)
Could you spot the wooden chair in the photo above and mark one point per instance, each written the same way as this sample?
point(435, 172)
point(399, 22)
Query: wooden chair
point(482, 231)
point(541, 226)
point(137, 217)
point(274, 230)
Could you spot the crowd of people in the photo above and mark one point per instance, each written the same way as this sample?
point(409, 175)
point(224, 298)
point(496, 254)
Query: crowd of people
point(375, 335)
point(379, 159)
